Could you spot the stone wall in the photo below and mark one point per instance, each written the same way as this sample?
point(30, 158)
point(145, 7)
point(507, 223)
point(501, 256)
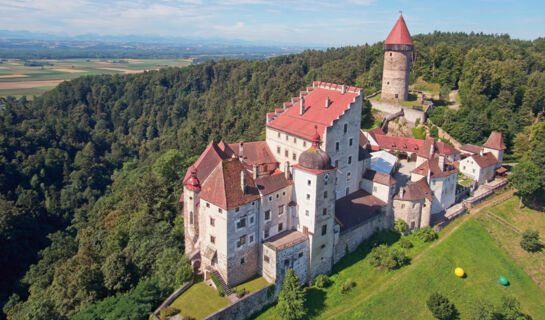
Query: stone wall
point(395, 75)
point(350, 239)
point(246, 306)
point(171, 298)
point(409, 114)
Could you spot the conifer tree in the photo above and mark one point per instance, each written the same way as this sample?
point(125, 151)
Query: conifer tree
point(291, 299)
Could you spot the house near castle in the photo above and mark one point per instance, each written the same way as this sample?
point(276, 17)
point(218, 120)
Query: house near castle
point(482, 163)
point(311, 192)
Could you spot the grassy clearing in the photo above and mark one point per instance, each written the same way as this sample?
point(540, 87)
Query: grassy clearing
point(463, 180)
point(428, 87)
point(410, 103)
point(199, 301)
point(253, 285)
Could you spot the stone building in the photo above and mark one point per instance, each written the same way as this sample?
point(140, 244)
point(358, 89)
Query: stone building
point(413, 204)
point(398, 49)
point(481, 163)
point(442, 178)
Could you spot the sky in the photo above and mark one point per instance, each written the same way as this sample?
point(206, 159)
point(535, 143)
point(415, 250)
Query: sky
point(302, 22)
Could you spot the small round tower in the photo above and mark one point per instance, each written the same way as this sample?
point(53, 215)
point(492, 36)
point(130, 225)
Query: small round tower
point(398, 49)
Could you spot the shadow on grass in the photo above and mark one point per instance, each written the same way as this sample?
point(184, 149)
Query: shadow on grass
point(381, 237)
point(314, 303)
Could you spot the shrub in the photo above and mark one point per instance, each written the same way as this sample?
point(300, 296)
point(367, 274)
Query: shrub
point(400, 226)
point(347, 286)
point(384, 257)
point(377, 255)
point(399, 257)
point(441, 307)
point(530, 241)
point(240, 292)
point(322, 281)
point(419, 133)
point(426, 234)
point(405, 243)
point(168, 312)
point(417, 122)
point(434, 132)
point(221, 293)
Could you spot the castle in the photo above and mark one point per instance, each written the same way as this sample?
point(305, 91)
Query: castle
point(317, 186)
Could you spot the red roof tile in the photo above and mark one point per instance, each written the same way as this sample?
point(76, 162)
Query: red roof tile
point(433, 166)
point(363, 140)
point(416, 191)
point(272, 183)
point(445, 148)
point(471, 148)
point(223, 187)
point(399, 34)
point(375, 132)
point(495, 141)
point(379, 177)
point(207, 161)
point(256, 152)
point(399, 143)
point(486, 160)
point(315, 113)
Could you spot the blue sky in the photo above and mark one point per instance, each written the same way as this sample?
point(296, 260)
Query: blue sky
point(328, 23)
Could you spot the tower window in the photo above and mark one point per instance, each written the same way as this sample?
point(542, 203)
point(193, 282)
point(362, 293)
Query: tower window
point(349, 160)
point(387, 82)
point(345, 127)
point(294, 156)
point(336, 146)
point(308, 196)
point(280, 227)
point(325, 194)
point(286, 153)
point(350, 142)
point(212, 239)
point(268, 215)
point(308, 182)
point(212, 221)
point(278, 150)
point(324, 212)
point(324, 229)
point(390, 54)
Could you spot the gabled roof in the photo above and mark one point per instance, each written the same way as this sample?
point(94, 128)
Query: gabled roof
point(495, 141)
point(223, 187)
point(256, 152)
point(399, 34)
point(445, 148)
point(315, 113)
point(486, 160)
point(376, 132)
point(208, 160)
point(363, 140)
point(379, 177)
point(433, 166)
point(269, 184)
point(415, 191)
point(470, 148)
point(399, 143)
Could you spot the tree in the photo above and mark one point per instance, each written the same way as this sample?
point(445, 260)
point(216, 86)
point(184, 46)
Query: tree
point(169, 165)
point(444, 93)
point(291, 301)
point(526, 177)
point(118, 272)
point(441, 307)
point(400, 226)
point(530, 241)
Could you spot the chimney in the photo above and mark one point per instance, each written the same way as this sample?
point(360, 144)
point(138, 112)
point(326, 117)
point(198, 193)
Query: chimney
point(240, 149)
point(327, 102)
point(441, 163)
point(243, 180)
point(302, 106)
point(402, 192)
point(255, 171)
point(343, 89)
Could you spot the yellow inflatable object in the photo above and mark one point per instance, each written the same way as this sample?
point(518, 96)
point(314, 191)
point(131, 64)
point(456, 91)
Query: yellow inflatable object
point(459, 272)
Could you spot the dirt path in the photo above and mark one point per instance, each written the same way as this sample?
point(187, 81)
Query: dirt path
point(414, 261)
point(452, 97)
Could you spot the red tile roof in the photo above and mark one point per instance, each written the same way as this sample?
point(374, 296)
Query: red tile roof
point(486, 160)
point(495, 141)
point(207, 161)
point(256, 152)
point(363, 140)
point(315, 113)
point(445, 148)
point(433, 166)
point(379, 177)
point(399, 34)
point(415, 191)
point(223, 186)
point(375, 132)
point(399, 143)
point(425, 150)
point(314, 171)
point(272, 183)
point(471, 148)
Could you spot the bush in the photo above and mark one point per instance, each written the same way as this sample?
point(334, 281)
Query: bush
point(399, 257)
point(384, 257)
point(168, 312)
point(240, 292)
point(419, 133)
point(441, 307)
point(322, 281)
point(530, 241)
point(425, 234)
point(434, 132)
point(347, 286)
point(400, 226)
point(221, 293)
point(377, 255)
point(405, 243)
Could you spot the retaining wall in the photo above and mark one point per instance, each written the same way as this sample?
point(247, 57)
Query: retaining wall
point(410, 114)
point(171, 298)
point(246, 306)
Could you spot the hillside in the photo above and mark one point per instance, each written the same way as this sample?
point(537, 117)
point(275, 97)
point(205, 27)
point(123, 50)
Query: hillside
point(90, 171)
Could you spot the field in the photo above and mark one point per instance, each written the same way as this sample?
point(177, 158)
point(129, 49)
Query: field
point(18, 79)
point(387, 295)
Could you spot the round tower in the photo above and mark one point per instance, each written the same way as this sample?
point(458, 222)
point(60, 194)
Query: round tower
point(191, 211)
point(398, 49)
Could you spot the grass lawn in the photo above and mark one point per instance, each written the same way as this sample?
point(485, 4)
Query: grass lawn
point(411, 103)
point(253, 285)
point(200, 301)
point(428, 87)
point(509, 240)
point(463, 180)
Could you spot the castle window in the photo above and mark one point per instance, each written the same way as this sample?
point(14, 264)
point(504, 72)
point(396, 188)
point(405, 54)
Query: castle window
point(242, 261)
point(190, 198)
point(345, 128)
point(308, 196)
point(348, 176)
point(412, 225)
point(402, 206)
point(322, 246)
point(212, 239)
point(336, 146)
point(190, 217)
point(280, 227)
point(390, 54)
point(252, 220)
point(387, 82)
point(324, 229)
point(287, 137)
point(294, 156)
point(208, 205)
point(278, 150)
point(266, 233)
point(237, 209)
point(350, 142)
point(278, 134)
point(241, 223)
point(251, 239)
point(287, 262)
point(325, 194)
point(280, 210)
point(270, 198)
point(219, 210)
point(306, 213)
point(324, 211)
point(336, 163)
point(277, 195)
point(308, 182)
point(294, 140)
point(268, 215)
point(212, 221)
point(300, 254)
point(241, 241)
point(374, 189)
point(304, 143)
point(266, 259)
point(286, 153)
point(349, 160)
point(284, 193)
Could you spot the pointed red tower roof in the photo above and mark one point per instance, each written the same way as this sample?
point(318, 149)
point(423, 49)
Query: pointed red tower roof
point(399, 34)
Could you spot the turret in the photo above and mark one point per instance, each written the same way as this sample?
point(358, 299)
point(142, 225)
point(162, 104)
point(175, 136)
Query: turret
point(191, 214)
point(398, 49)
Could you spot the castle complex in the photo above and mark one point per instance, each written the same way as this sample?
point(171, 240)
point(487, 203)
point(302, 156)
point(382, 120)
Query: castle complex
point(312, 191)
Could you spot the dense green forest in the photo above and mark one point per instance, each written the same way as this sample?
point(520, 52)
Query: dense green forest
point(90, 172)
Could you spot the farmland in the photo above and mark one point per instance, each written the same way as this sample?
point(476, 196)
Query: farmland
point(18, 77)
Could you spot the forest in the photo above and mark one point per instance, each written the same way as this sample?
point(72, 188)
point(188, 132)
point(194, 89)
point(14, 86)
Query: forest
point(90, 172)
